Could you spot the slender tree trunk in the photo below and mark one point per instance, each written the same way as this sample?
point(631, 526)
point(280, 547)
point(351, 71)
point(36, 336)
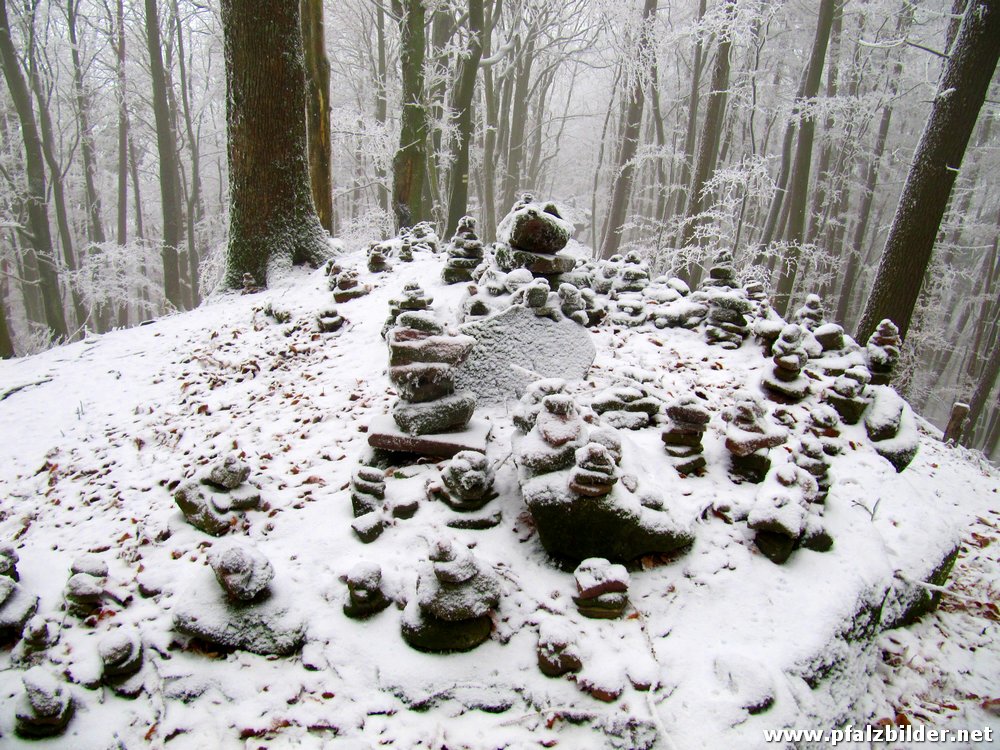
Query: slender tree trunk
point(34, 168)
point(938, 157)
point(381, 103)
point(318, 110)
point(122, 125)
point(166, 143)
point(625, 168)
point(409, 164)
point(272, 221)
point(462, 104)
point(519, 116)
point(6, 343)
point(691, 134)
point(195, 205)
point(798, 191)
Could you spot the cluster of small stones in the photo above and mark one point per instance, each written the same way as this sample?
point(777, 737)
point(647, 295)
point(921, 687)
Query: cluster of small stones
point(810, 315)
point(786, 382)
point(558, 653)
point(45, 706)
point(601, 589)
point(883, 352)
point(378, 257)
point(783, 517)
point(365, 596)
point(534, 234)
point(85, 590)
point(883, 423)
point(749, 437)
point(497, 290)
point(847, 394)
point(465, 483)
point(121, 654)
point(629, 407)
point(213, 504)
point(673, 305)
point(16, 606)
point(344, 283)
point(454, 599)
point(413, 299)
point(728, 304)
point(682, 437)
point(465, 253)
point(328, 320)
point(422, 357)
point(421, 236)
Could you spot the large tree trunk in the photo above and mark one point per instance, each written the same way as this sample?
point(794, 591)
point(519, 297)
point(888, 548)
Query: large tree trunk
point(195, 204)
point(381, 102)
point(798, 186)
point(465, 91)
point(272, 221)
point(410, 162)
point(34, 168)
point(122, 125)
point(936, 161)
point(711, 135)
point(318, 110)
point(166, 144)
point(625, 168)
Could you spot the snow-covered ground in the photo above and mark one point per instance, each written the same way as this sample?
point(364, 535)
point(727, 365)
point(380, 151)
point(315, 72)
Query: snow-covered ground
point(96, 435)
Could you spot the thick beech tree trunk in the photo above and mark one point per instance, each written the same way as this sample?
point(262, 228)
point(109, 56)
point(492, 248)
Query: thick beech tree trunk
point(936, 161)
point(318, 110)
point(272, 221)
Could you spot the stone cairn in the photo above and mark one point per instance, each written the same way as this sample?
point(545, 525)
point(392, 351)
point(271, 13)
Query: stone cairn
point(422, 358)
point(721, 275)
point(378, 257)
point(727, 324)
point(847, 394)
point(749, 437)
point(84, 593)
point(423, 237)
point(633, 275)
point(629, 310)
point(595, 472)
point(781, 515)
point(883, 352)
point(413, 299)
point(682, 437)
point(810, 315)
point(364, 591)
point(465, 253)
point(767, 327)
point(213, 504)
point(345, 285)
point(824, 423)
point(884, 423)
point(404, 249)
point(455, 596)
point(786, 382)
point(558, 653)
point(121, 655)
point(367, 501)
point(44, 708)
point(328, 320)
point(466, 482)
point(531, 236)
point(251, 616)
point(16, 605)
point(602, 589)
point(629, 407)
point(606, 272)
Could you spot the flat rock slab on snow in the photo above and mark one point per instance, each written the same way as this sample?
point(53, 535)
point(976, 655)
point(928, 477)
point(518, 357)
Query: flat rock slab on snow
point(516, 347)
point(385, 434)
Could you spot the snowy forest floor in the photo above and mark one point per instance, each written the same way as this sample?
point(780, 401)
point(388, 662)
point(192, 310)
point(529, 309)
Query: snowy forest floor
point(96, 433)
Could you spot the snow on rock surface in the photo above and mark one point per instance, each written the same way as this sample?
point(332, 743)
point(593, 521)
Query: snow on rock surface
point(714, 647)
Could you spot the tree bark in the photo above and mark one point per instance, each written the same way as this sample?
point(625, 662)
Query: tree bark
point(691, 134)
point(938, 157)
point(318, 111)
point(195, 205)
point(166, 144)
point(122, 125)
point(409, 163)
point(272, 221)
point(34, 168)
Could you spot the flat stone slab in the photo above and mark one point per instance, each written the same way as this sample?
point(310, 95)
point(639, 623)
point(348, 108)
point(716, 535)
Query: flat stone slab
point(515, 348)
point(385, 434)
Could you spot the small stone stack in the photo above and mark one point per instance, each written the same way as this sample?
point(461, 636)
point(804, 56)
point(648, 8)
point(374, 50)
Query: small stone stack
point(8, 562)
point(811, 457)
point(213, 503)
point(328, 320)
point(595, 473)
point(786, 382)
point(629, 310)
point(727, 323)
point(465, 253)
point(630, 407)
point(84, 591)
point(121, 659)
point(721, 275)
point(830, 336)
point(346, 286)
point(44, 708)
point(683, 435)
point(414, 299)
point(455, 596)
point(423, 237)
point(367, 501)
point(767, 327)
point(557, 651)
point(16, 605)
point(378, 257)
point(602, 589)
point(847, 394)
point(529, 406)
point(573, 305)
point(883, 352)
point(824, 423)
point(364, 591)
point(243, 572)
point(749, 437)
point(608, 269)
point(557, 433)
point(780, 516)
point(466, 482)
point(756, 292)
point(405, 250)
point(633, 276)
point(531, 236)
point(810, 315)
point(422, 358)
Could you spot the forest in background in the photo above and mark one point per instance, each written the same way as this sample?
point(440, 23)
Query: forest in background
point(781, 130)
